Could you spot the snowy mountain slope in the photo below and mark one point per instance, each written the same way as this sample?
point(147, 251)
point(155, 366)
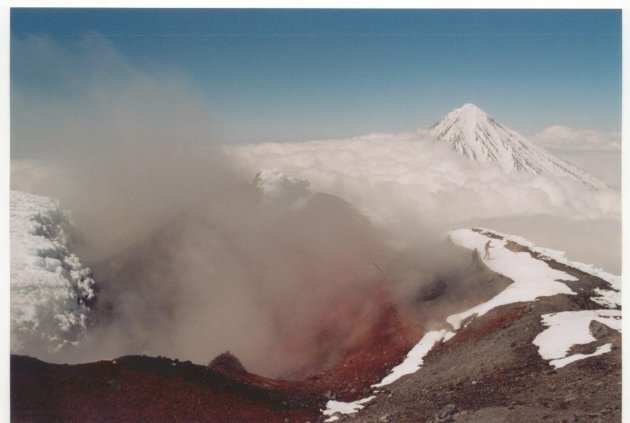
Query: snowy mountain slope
point(277, 187)
point(525, 355)
point(474, 134)
point(534, 278)
point(51, 290)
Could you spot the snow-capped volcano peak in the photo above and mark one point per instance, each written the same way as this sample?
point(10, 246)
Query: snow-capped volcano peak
point(469, 110)
point(473, 133)
point(476, 135)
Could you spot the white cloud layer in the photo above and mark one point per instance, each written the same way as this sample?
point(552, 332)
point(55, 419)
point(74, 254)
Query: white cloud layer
point(560, 137)
point(409, 182)
point(425, 178)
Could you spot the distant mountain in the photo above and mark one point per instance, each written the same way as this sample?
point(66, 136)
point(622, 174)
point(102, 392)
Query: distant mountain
point(474, 134)
point(277, 187)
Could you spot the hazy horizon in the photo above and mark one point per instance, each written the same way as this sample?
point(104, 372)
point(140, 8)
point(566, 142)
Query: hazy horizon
point(286, 75)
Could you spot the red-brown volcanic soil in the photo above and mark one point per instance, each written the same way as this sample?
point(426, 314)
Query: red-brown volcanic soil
point(377, 349)
point(134, 389)
point(148, 389)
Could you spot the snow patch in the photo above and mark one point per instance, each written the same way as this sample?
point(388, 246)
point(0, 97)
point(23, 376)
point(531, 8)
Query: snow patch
point(610, 298)
point(532, 278)
point(415, 357)
point(448, 336)
point(569, 328)
point(335, 408)
point(561, 362)
point(607, 298)
point(560, 257)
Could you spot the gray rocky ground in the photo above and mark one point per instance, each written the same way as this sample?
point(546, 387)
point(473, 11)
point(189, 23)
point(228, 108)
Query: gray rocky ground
point(490, 371)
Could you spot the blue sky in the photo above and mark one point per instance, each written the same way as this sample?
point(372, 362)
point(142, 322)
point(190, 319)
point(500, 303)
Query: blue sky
point(280, 75)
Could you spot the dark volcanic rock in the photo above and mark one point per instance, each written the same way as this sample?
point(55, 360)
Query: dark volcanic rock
point(600, 330)
point(431, 291)
point(227, 362)
point(148, 389)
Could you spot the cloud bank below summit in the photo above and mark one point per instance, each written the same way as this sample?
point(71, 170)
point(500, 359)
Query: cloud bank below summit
point(560, 137)
point(410, 182)
point(595, 151)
